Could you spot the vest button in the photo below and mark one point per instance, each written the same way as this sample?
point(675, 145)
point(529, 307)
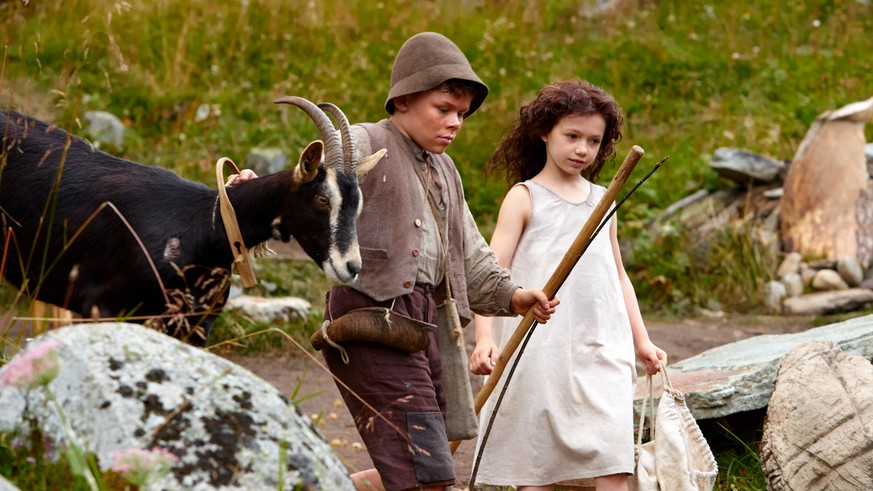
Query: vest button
point(407, 284)
point(417, 222)
point(415, 253)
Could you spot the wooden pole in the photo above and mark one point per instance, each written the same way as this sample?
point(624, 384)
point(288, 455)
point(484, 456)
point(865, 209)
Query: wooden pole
point(559, 276)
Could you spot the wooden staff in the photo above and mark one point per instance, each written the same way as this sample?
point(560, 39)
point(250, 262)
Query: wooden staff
point(559, 276)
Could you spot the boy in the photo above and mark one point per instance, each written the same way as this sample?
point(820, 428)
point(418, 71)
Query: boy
point(415, 232)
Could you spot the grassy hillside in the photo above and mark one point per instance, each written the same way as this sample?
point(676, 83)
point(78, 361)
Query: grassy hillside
point(691, 77)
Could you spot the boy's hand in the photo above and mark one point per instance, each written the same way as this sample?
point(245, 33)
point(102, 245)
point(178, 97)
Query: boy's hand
point(243, 176)
point(522, 300)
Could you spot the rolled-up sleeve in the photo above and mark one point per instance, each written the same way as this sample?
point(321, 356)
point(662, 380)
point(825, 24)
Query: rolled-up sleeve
point(489, 287)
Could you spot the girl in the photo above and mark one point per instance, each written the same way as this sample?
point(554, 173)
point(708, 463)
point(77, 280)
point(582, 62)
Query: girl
point(568, 411)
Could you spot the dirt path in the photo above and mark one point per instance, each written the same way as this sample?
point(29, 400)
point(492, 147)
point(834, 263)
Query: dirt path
point(296, 373)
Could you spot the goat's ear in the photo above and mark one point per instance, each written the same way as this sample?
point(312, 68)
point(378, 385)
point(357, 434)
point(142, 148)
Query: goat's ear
point(367, 163)
point(307, 168)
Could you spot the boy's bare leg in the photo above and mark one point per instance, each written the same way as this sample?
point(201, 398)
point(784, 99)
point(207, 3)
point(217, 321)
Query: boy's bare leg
point(368, 480)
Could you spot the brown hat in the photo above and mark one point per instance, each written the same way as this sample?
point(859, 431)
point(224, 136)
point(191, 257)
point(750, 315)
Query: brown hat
point(425, 61)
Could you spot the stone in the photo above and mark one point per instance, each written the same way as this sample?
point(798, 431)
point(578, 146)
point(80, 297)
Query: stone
point(791, 264)
point(266, 160)
point(793, 284)
point(269, 309)
point(774, 293)
point(830, 302)
point(7, 486)
point(745, 167)
point(826, 201)
point(740, 376)
point(807, 273)
point(817, 432)
point(828, 279)
point(104, 127)
point(850, 271)
point(123, 385)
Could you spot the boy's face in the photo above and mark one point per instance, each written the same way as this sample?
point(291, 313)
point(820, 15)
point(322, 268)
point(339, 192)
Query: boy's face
point(431, 118)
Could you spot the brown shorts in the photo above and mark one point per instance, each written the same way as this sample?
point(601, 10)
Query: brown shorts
point(406, 435)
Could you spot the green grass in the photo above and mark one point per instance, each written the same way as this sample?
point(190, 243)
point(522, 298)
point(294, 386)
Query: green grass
point(690, 76)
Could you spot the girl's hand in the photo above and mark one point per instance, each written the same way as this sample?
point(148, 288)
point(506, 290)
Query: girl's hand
point(650, 355)
point(484, 357)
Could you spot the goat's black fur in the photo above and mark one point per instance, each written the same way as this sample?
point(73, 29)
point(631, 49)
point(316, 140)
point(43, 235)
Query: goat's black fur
point(52, 183)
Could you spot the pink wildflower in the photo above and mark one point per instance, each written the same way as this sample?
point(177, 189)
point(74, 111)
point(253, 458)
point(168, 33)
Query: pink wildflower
point(37, 365)
point(139, 466)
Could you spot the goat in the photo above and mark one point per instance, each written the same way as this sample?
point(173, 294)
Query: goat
point(67, 247)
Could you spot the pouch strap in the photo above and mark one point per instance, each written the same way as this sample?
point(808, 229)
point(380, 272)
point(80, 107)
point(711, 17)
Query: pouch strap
point(666, 386)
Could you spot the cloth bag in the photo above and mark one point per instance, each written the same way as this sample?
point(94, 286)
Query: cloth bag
point(676, 457)
point(461, 420)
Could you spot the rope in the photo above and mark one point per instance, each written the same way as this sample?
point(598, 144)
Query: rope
point(343, 353)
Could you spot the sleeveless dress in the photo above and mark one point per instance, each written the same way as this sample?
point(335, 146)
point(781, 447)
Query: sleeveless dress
point(568, 411)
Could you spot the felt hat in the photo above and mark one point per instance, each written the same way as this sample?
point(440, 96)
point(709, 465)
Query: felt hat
point(425, 61)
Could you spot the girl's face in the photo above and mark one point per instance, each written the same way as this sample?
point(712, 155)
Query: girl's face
point(432, 118)
point(574, 142)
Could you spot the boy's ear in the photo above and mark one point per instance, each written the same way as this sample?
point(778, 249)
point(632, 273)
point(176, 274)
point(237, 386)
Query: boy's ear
point(401, 103)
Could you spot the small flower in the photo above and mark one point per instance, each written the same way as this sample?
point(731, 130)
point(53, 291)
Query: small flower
point(36, 366)
point(140, 467)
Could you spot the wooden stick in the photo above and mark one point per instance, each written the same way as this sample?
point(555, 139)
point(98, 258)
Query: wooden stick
point(559, 276)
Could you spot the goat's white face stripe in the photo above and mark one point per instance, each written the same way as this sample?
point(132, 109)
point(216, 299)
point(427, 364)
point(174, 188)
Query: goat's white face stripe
point(336, 260)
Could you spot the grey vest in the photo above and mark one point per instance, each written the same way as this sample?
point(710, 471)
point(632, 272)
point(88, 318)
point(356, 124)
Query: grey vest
point(389, 227)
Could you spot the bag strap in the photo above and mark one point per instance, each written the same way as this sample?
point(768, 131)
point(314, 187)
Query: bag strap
point(666, 386)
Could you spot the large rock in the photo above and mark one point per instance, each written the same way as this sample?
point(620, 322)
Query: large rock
point(827, 198)
point(123, 386)
point(820, 421)
point(739, 376)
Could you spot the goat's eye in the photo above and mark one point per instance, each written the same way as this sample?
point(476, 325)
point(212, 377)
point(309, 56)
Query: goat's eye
point(322, 199)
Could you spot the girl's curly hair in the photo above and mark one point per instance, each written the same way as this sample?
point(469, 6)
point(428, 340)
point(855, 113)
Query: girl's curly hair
point(521, 154)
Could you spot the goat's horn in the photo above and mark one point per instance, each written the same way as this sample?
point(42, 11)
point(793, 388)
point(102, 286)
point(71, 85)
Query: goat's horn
point(349, 150)
point(332, 150)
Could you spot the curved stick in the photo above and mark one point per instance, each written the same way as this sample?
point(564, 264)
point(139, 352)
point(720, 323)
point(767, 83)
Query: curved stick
point(559, 276)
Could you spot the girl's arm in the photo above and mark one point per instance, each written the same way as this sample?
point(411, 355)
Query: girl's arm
point(646, 351)
point(511, 222)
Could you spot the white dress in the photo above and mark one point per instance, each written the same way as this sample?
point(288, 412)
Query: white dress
point(568, 411)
